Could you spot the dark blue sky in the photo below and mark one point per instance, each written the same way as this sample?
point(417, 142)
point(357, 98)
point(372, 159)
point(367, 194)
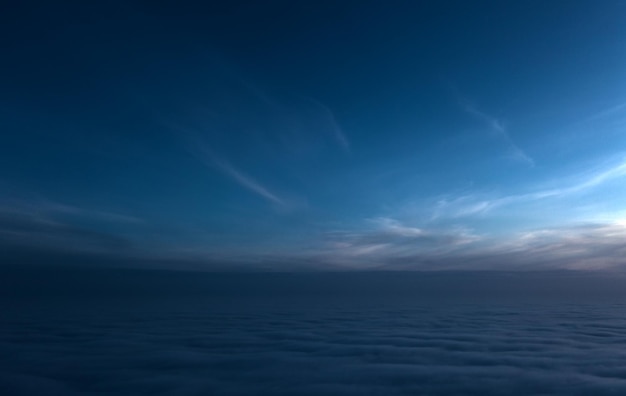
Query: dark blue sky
point(316, 134)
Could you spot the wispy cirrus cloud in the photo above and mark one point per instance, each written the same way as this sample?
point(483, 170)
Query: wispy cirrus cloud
point(381, 243)
point(607, 112)
point(328, 116)
point(37, 224)
point(473, 204)
point(248, 182)
point(577, 246)
point(498, 127)
point(582, 246)
point(212, 160)
point(384, 238)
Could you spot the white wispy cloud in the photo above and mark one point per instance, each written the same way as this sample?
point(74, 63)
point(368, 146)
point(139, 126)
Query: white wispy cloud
point(91, 213)
point(248, 182)
point(499, 128)
point(45, 209)
point(590, 246)
point(212, 160)
point(395, 227)
point(36, 223)
point(577, 246)
point(608, 112)
point(329, 117)
point(383, 238)
point(467, 205)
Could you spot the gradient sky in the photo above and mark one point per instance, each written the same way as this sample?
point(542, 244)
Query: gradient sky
point(290, 135)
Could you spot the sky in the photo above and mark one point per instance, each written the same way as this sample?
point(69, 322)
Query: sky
point(314, 135)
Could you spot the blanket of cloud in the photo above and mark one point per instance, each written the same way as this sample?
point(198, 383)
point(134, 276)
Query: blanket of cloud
point(334, 334)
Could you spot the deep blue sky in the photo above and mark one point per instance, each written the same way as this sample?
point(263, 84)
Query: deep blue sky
point(315, 134)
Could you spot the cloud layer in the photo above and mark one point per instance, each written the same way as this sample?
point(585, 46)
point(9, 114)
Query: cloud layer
point(392, 245)
point(192, 348)
point(382, 243)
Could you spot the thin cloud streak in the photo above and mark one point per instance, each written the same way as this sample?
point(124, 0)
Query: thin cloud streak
point(389, 239)
point(212, 160)
point(470, 205)
point(613, 110)
point(598, 246)
point(587, 184)
point(32, 228)
point(43, 208)
point(498, 127)
point(393, 226)
point(337, 132)
point(248, 183)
